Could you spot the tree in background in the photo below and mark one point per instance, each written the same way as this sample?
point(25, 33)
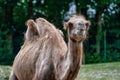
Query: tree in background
point(104, 33)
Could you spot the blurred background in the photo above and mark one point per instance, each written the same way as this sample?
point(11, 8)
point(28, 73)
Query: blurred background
point(102, 44)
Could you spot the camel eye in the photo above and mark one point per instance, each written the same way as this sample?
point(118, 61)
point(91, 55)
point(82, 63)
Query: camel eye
point(70, 25)
point(87, 25)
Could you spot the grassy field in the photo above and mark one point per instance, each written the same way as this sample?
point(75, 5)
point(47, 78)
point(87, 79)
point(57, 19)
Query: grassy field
point(4, 72)
point(104, 71)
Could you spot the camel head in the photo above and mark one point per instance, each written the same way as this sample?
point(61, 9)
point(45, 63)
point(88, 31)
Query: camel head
point(77, 28)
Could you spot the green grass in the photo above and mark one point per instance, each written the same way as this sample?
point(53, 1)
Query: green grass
point(103, 71)
point(4, 72)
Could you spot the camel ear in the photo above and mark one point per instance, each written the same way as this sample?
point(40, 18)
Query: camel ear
point(31, 32)
point(68, 25)
point(88, 23)
point(65, 25)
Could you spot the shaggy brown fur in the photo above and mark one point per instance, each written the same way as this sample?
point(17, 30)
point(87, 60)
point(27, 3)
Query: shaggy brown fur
point(44, 54)
point(40, 54)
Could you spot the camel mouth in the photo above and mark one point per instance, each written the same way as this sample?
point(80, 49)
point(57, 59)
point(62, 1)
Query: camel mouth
point(78, 37)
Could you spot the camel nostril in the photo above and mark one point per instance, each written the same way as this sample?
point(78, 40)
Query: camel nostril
point(81, 29)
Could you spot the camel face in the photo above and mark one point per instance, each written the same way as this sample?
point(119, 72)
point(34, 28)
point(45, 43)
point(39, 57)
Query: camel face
point(78, 28)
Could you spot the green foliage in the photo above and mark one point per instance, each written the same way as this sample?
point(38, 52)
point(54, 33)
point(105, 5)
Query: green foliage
point(93, 58)
point(5, 48)
point(12, 25)
point(113, 55)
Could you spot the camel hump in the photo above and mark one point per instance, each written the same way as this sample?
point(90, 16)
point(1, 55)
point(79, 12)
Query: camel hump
point(31, 30)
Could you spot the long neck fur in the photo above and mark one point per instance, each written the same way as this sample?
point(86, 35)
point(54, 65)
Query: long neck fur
point(72, 60)
point(75, 51)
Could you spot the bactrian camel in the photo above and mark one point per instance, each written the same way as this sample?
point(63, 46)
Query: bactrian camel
point(45, 55)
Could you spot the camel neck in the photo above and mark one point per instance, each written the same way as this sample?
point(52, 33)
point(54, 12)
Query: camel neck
point(74, 59)
point(75, 49)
